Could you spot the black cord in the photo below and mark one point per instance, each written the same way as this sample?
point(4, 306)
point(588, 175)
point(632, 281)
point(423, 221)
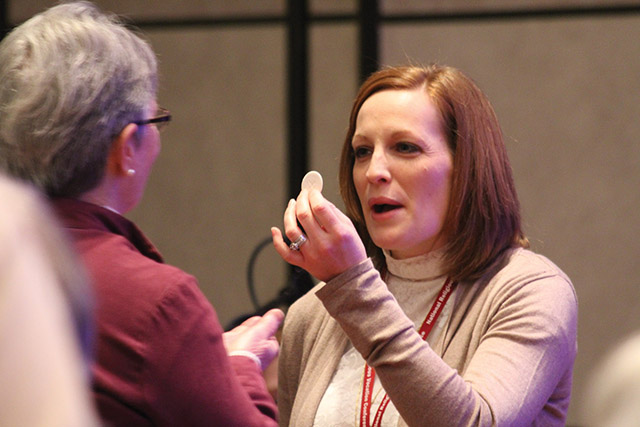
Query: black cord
point(298, 284)
point(250, 269)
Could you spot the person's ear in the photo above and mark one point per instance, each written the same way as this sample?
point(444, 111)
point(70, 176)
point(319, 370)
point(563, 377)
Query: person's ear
point(121, 161)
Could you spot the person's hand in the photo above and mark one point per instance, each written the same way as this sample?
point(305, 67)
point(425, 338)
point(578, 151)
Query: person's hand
point(256, 335)
point(332, 245)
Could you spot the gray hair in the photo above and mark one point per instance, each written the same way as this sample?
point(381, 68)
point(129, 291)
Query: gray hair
point(71, 78)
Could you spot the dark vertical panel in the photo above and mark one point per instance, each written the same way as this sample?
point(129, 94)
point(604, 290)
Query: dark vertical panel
point(4, 18)
point(298, 123)
point(369, 21)
point(297, 92)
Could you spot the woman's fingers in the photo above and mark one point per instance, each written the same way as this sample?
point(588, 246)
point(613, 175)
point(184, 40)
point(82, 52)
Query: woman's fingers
point(325, 213)
point(332, 242)
point(291, 228)
point(304, 214)
point(290, 256)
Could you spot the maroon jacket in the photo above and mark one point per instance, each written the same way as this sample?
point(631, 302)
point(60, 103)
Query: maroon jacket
point(160, 358)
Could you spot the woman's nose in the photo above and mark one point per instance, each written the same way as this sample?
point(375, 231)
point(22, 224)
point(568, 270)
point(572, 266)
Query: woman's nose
point(378, 169)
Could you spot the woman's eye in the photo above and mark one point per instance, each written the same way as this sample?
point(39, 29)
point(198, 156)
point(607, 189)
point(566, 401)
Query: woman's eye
point(405, 147)
point(360, 152)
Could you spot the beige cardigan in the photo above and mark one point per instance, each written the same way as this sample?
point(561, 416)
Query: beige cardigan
point(506, 358)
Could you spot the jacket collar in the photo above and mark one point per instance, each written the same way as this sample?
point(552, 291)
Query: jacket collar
point(76, 214)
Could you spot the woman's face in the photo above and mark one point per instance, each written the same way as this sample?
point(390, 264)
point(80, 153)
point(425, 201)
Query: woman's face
point(402, 171)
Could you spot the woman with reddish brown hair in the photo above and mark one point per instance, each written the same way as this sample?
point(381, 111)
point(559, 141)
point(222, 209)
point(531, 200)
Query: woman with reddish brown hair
point(432, 311)
point(482, 184)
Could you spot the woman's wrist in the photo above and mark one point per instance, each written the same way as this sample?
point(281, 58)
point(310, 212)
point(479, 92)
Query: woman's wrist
point(250, 355)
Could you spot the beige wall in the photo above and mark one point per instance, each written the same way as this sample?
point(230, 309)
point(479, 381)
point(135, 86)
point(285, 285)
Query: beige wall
point(565, 88)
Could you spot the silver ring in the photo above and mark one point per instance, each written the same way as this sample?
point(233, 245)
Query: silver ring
point(295, 246)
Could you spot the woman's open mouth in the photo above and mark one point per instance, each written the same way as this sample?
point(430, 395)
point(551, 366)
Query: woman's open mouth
point(384, 207)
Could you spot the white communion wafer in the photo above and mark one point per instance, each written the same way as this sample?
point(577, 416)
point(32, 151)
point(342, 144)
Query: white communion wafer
point(312, 181)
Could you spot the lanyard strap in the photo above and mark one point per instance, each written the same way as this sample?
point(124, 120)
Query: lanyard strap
point(370, 375)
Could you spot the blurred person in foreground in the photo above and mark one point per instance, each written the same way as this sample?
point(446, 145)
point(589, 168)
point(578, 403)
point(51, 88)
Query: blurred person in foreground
point(435, 313)
point(46, 323)
point(79, 119)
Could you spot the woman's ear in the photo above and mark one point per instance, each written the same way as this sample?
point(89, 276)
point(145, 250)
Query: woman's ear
point(123, 148)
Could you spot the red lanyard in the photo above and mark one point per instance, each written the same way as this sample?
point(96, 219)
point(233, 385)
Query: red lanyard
point(370, 375)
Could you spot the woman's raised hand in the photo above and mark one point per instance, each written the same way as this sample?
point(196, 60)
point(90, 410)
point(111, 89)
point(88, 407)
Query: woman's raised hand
point(332, 245)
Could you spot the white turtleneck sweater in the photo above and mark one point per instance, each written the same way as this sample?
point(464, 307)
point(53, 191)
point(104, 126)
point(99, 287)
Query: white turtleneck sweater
point(415, 284)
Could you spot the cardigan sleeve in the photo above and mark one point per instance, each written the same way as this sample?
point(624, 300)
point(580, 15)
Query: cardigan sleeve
point(289, 365)
point(297, 359)
point(189, 379)
point(526, 346)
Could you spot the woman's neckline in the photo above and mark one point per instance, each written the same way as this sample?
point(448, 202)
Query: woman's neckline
point(420, 268)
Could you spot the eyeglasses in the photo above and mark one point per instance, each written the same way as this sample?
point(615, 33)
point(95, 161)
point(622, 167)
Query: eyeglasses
point(161, 119)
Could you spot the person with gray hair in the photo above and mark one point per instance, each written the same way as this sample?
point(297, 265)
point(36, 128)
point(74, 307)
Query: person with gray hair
point(79, 120)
